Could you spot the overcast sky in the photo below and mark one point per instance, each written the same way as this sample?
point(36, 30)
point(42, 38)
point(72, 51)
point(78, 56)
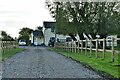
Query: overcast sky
point(15, 14)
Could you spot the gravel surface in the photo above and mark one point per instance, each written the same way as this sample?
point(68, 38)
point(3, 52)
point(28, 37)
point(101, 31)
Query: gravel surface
point(38, 62)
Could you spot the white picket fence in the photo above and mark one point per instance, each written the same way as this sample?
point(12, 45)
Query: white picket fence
point(77, 46)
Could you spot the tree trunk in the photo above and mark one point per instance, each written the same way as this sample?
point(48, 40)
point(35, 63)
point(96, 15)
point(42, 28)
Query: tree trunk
point(81, 37)
point(101, 42)
point(73, 37)
point(87, 36)
point(94, 37)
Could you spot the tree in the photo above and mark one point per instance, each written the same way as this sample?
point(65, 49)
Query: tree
point(25, 34)
point(58, 12)
point(6, 37)
point(90, 18)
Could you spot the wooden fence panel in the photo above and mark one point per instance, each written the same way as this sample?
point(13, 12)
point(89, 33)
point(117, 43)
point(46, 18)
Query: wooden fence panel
point(75, 46)
point(7, 45)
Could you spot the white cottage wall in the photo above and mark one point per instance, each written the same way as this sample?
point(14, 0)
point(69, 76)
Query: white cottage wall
point(47, 35)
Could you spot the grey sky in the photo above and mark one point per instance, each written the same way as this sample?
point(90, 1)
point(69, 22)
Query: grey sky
point(15, 14)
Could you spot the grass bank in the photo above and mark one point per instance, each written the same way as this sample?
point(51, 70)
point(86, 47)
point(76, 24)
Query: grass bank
point(10, 53)
point(105, 66)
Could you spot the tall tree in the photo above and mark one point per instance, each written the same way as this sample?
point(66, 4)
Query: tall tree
point(90, 18)
point(62, 22)
point(25, 34)
point(6, 37)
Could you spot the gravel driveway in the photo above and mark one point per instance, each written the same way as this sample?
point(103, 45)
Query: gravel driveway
point(38, 62)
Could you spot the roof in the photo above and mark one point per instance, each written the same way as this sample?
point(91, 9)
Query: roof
point(37, 33)
point(48, 24)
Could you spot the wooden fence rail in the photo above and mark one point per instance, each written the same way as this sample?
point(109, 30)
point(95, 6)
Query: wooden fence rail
point(76, 46)
point(7, 45)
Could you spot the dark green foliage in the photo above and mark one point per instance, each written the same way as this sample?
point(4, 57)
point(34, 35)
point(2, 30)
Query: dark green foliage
point(83, 17)
point(6, 37)
point(25, 34)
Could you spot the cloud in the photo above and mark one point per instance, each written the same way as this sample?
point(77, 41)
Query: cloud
point(15, 14)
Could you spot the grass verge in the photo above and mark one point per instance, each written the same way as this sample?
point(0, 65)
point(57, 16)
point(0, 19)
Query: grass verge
point(10, 53)
point(105, 66)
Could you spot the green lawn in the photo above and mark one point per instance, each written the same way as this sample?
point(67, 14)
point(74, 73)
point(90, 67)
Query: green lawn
point(9, 53)
point(106, 65)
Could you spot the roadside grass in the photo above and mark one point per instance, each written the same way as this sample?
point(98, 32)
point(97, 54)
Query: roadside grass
point(9, 53)
point(105, 66)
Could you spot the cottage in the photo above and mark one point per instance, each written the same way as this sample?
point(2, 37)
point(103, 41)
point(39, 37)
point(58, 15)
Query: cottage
point(49, 32)
point(37, 38)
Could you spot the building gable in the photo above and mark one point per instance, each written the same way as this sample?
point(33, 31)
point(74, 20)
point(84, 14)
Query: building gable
point(49, 25)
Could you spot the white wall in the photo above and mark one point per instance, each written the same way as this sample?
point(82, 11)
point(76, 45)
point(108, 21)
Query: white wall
point(109, 43)
point(62, 36)
point(31, 38)
point(47, 35)
point(38, 40)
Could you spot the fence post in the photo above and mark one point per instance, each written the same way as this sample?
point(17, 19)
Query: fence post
point(1, 46)
point(103, 48)
point(86, 42)
point(8, 46)
point(5, 45)
point(75, 47)
point(68, 46)
point(112, 49)
point(78, 46)
point(96, 48)
point(90, 47)
point(81, 46)
point(72, 47)
point(65, 46)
